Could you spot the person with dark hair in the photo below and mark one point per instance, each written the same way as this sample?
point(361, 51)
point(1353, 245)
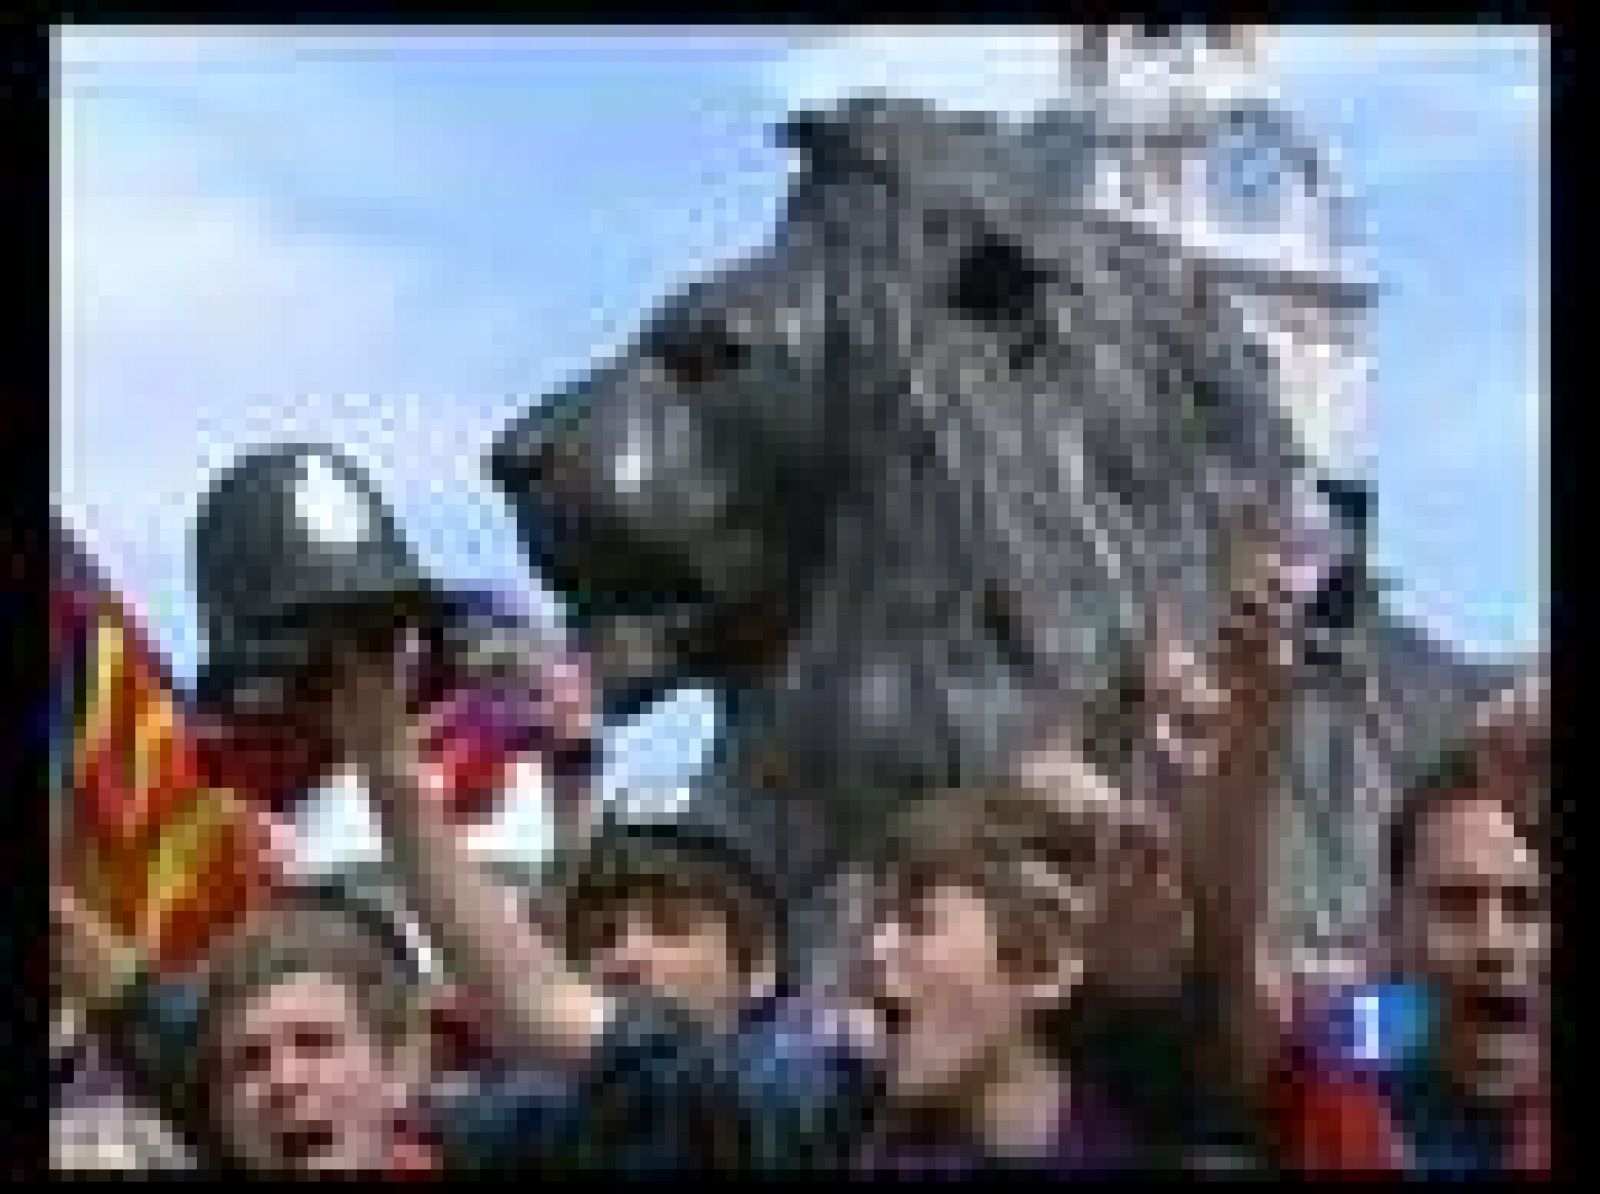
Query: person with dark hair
point(1432, 1064)
point(659, 905)
point(298, 1051)
point(987, 903)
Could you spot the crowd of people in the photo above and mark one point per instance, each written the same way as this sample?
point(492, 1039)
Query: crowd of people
point(1047, 975)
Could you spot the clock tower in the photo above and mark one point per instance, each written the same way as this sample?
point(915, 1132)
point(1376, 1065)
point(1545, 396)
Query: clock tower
point(1192, 143)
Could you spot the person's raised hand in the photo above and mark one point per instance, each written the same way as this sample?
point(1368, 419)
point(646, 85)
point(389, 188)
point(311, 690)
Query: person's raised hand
point(1256, 647)
point(1184, 704)
point(1513, 727)
point(1511, 738)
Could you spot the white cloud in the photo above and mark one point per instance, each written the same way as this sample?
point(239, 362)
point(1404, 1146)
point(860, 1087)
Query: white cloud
point(195, 319)
point(1017, 69)
point(109, 48)
point(192, 327)
point(1425, 101)
point(1437, 98)
point(1310, 52)
point(1014, 70)
point(314, 121)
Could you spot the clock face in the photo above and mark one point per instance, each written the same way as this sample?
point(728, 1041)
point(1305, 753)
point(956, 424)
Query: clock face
point(1249, 173)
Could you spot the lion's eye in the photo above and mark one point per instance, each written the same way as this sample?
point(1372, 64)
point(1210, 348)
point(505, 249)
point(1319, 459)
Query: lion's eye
point(703, 356)
point(995, 283)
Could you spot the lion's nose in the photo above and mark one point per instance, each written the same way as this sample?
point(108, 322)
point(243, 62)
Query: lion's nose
point(542, 450)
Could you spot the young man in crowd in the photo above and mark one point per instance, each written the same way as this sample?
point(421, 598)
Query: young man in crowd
point(1438, 1067)
point(1434, 1065)
point(299, 1055)
point(285, 1056)
point(982, 935)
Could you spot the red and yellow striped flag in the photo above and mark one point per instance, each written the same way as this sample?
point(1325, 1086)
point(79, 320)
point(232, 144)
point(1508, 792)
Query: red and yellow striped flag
point(164, 857)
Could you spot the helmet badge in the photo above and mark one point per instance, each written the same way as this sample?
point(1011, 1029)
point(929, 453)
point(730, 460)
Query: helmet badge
point(330, 510)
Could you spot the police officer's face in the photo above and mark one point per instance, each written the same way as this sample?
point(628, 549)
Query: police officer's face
point(1474, 920)
point(311, 700)
point(357, 690)
point(303, 1085)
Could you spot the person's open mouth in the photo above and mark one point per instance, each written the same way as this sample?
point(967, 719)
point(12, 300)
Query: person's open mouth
point(892, 1015)
point(302, 1144)
point(1499, 1010)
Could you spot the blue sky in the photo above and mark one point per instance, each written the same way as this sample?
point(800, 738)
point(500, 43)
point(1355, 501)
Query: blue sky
point(394, 242)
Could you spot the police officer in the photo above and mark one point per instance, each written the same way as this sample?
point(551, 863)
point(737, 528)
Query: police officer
point(298, 565)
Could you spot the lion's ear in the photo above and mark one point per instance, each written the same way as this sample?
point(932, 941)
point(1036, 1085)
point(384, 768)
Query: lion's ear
point(849, 135)
point(810, 132)
point(876, 131)
point(821, 132)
